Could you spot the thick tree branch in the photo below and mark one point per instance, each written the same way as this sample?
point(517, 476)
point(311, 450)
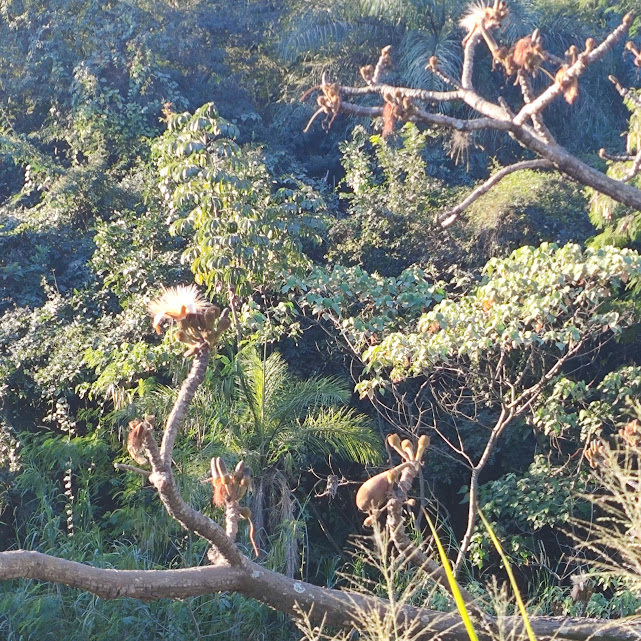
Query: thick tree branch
point(328, 606)
point(415, 94)
point(112, 584)
point(578, 170)
point(468, 60)
point(475, 124)
point(162, 478)
point(561, 159)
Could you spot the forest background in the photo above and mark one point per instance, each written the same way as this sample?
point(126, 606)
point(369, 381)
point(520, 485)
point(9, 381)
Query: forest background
point(327, 246)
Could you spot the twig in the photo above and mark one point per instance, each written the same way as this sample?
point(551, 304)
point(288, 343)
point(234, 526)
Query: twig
point(615, 157)
point(537, 119)
point(433, 67)
point(634, 170)
point(123, 467)
point(384, 61)
point(625, 93)
point(194, 621)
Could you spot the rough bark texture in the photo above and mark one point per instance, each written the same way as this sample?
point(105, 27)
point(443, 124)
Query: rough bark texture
point(334, 607)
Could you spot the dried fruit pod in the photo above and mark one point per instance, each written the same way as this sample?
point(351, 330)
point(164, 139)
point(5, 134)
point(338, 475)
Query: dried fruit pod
point(244, 483)
point(407, 448)
point(421, 446)
point(395, 442)
point(211, 314)
point(239, 471)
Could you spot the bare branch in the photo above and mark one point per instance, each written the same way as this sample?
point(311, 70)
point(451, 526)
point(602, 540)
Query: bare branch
point(414, 94)
point(475, 124)
point(537, 119)
point(502, 422)
point(384, 61)
point(123, 467)
point(555, 60)
point(616, 157)
point(468, 59)
point(162, 478)
point(626, 94)
point(112, 584)
point(584, 60)
point(499, 117)
point(317, 113)
point(449, 216)
point(433, 66)
point(580, 171)
point(634, 170)
point(334, 607)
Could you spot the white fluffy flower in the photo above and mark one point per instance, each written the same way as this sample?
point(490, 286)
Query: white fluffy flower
point(176, 303)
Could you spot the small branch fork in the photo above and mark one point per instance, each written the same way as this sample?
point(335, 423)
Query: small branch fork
point(526, 126)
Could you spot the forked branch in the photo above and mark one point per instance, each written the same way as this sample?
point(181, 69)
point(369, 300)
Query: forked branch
point(526, 126)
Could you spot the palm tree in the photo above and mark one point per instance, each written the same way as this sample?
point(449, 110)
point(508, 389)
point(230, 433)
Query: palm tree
point(278, 424)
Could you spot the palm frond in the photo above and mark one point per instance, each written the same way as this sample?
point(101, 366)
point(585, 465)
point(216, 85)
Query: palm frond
point(262, 383)
point(340, 431)
point(302, 397)
point(417, 48)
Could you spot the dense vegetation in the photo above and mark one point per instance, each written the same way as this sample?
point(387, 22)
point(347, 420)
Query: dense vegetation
point(149, 143)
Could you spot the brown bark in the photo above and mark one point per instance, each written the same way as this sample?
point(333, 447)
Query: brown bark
point(333, 607)
point(185, 396)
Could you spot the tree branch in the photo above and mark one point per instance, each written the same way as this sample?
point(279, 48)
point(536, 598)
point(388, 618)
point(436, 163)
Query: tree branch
point(474, 124)
point(634, 169)
point(468, 59)
point(626, 94)
point(123, 467)
point(185, 396)
point(584, 60)
point(450, 215)
point(332, 607)
point(415, 94)
point(502, 422)
point(162, 478)
point(537, 119)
